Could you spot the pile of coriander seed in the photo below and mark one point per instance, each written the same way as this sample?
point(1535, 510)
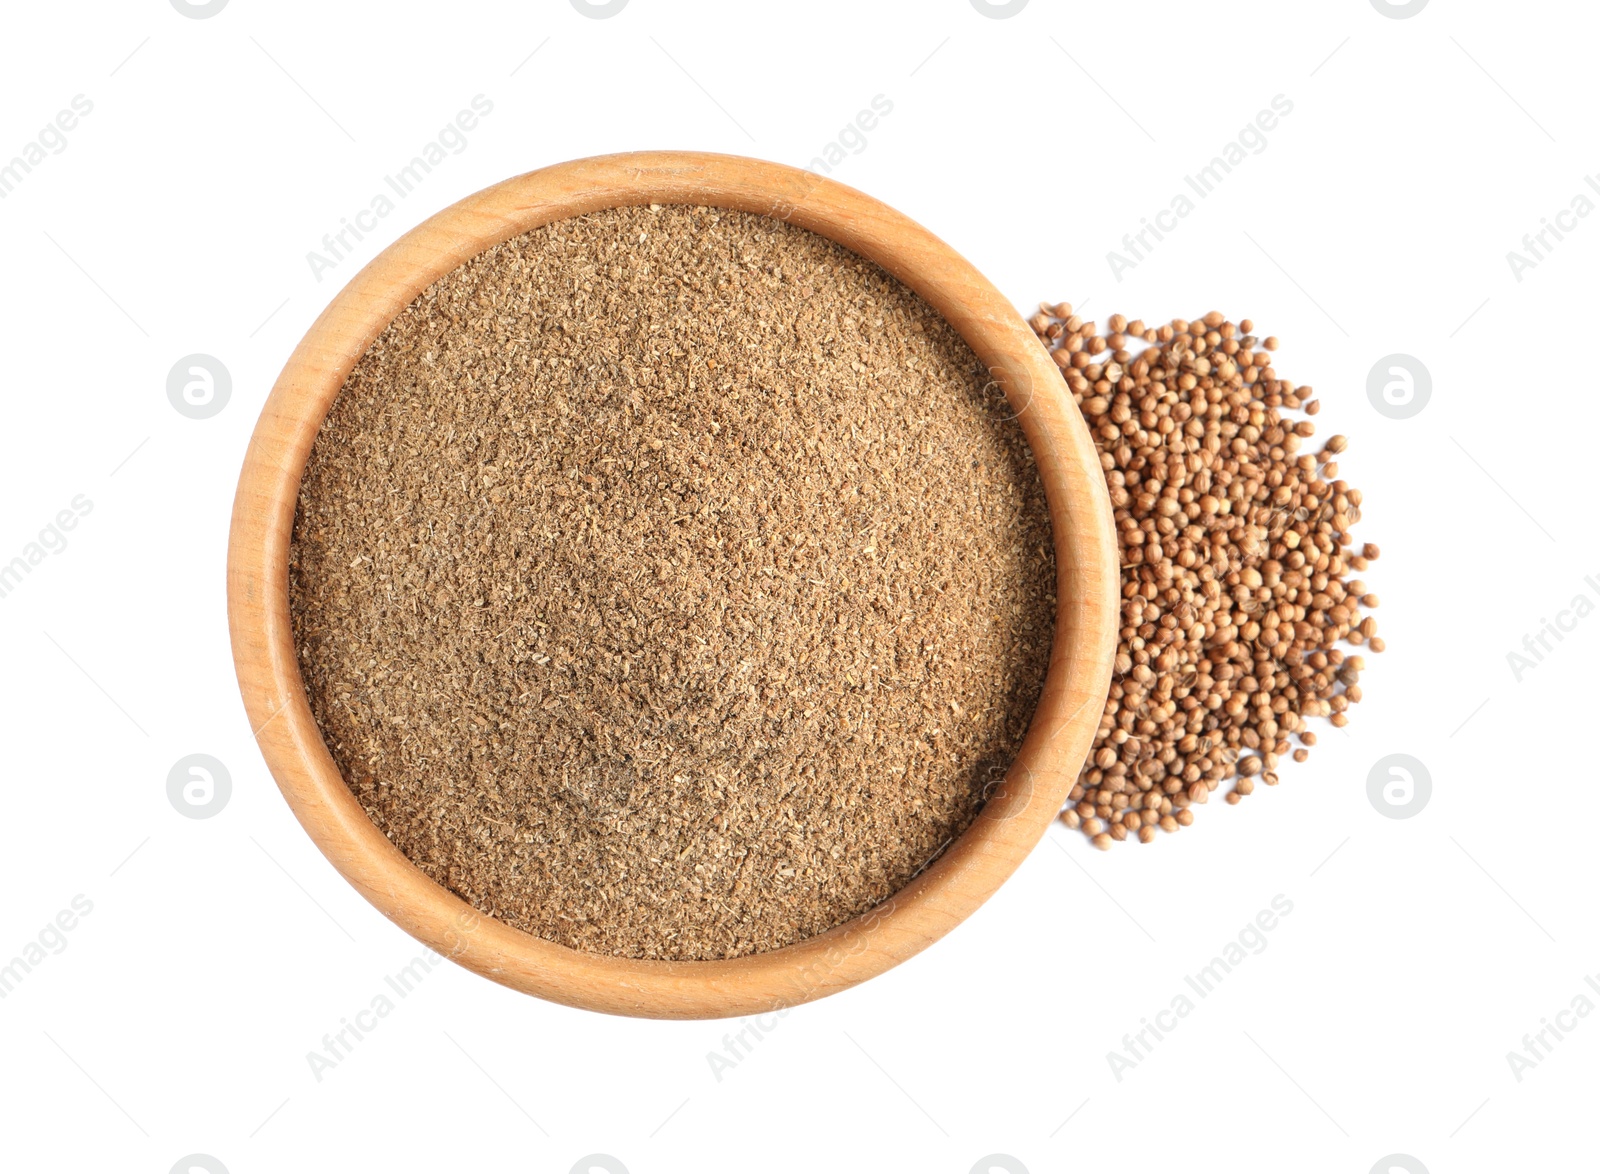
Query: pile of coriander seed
point(1235, 543)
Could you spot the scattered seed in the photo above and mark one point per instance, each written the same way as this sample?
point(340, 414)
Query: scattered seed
point(1236, 549)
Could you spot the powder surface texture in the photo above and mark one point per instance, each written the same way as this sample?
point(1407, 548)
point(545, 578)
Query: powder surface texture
point(671, 583)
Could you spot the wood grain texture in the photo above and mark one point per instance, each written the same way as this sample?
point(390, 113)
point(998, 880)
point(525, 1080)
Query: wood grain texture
point(1015, 816)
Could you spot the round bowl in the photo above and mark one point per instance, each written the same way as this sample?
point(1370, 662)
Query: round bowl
point(1015, 816)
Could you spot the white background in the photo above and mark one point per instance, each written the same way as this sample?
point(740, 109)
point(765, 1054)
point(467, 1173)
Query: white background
point(1377, 1021)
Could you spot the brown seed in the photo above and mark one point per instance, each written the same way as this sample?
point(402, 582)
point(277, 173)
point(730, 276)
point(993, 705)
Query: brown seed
point(1236, 609)
point(1376, 644)
point(1101, 841)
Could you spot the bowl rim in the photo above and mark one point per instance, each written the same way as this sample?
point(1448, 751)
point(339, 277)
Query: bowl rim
point(1014, 818)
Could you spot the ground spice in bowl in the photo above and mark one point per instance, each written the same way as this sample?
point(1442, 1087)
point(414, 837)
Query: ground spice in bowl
point(671, 583)
point(1236, 548)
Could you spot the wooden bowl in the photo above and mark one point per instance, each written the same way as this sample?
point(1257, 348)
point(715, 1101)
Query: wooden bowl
point(1015, 816)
